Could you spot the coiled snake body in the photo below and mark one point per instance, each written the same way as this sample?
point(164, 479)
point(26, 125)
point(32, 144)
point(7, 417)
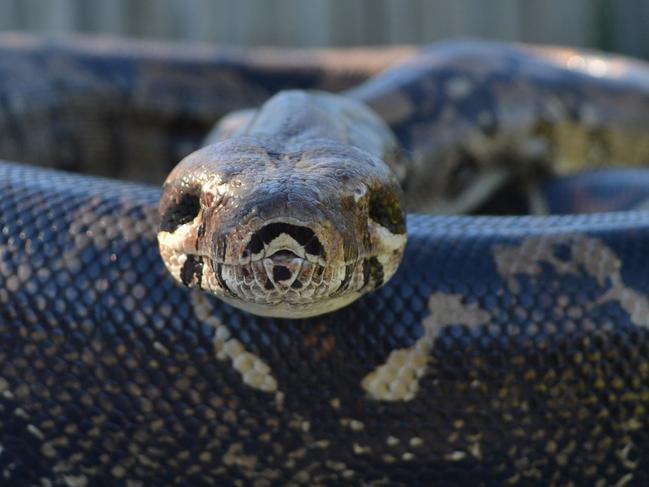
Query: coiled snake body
point(504, 350)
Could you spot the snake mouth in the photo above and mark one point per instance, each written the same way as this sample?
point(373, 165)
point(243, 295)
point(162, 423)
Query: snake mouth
point(282, 268)
point(288, 285)
point(278, 258)
point(284, 242)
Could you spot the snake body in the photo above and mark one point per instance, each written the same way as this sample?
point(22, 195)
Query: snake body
point(504, 350)
point(310, 169)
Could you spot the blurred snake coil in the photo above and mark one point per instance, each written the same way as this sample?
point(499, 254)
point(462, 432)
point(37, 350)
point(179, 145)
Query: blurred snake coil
point(507, 349)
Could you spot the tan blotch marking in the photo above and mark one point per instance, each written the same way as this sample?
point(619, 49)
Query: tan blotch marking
point(335, 403)
point(235, 457)
point(415, 441)
point(75, 480)
point(353, 424)
point(588, 255)
point(398, 379)
point(392, 441)
point(253, 370)
point(455, 456)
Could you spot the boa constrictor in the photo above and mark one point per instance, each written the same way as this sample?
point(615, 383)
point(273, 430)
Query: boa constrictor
point(506, 349)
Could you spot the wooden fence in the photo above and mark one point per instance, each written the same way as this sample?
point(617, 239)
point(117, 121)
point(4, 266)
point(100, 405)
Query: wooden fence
point(618, 25)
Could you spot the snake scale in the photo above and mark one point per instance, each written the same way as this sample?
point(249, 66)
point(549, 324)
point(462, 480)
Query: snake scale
point(505, 350)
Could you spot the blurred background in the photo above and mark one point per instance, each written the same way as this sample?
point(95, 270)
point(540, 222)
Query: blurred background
point(614, 25)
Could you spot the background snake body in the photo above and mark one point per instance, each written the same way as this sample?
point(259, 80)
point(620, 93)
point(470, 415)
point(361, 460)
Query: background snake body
point(505, 349)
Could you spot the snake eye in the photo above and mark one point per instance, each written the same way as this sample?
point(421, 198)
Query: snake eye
point(181, 210)
point(385, 209)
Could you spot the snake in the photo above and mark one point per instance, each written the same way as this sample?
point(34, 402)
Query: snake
point(505, 349)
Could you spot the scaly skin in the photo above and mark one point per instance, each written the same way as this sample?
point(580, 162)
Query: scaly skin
point(509, 349)
point(463, 110)
point(489, 112)
point(133, 110)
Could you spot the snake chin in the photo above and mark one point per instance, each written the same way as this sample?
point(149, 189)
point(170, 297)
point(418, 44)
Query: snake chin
point(296, 290)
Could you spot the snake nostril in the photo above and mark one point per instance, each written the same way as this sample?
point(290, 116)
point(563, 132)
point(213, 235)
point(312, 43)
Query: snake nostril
point(180, 210)
point(281, 273)
point(255, 245)
point(314, 247)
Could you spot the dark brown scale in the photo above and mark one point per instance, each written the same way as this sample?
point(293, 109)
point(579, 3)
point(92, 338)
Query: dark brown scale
point(349, 269)
point(219, 277)
point(281, 273)
point(192, 271)
point(373, 271)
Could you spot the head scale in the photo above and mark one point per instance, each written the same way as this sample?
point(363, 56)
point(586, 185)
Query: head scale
point(288, 233)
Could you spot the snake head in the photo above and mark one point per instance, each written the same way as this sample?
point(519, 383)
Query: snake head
point(282, 231)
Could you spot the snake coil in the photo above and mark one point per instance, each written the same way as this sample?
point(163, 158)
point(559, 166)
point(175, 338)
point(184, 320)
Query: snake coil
point(505, 349)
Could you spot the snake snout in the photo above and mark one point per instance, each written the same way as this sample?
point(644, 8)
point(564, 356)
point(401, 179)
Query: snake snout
point(283, 241)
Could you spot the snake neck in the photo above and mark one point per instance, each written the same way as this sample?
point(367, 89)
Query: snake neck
point(300, 117)
point(480, 114)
